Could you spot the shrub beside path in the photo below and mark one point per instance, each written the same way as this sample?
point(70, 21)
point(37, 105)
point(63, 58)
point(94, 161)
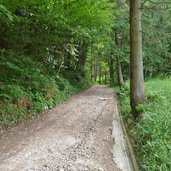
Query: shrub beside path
point(74, 136)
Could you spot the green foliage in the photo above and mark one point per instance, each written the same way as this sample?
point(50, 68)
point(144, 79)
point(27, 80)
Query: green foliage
point(42, 46)
point(77, 79)
point(151, 132)
point(156, 40)
point(5, 16)
point(26, 88)
point(53, 32)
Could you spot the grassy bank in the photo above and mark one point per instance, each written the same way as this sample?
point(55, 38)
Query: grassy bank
point(27, 87)
point(151, 134)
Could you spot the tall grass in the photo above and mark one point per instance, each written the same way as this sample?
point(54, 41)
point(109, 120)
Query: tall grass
point(151, 133)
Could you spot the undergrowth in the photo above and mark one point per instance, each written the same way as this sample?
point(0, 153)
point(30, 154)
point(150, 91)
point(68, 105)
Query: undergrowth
point(26, 88)
point(151, 133)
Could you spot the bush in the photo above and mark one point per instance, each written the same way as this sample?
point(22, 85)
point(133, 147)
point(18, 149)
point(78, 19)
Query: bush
point(77, 79)
point(26, 88)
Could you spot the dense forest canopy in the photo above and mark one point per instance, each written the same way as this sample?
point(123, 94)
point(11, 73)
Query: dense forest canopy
point(65, 34)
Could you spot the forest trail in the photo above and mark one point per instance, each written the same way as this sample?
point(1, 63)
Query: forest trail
point(74, 136)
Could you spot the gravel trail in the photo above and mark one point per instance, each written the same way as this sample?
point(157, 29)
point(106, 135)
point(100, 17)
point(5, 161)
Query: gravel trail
point(74, 136)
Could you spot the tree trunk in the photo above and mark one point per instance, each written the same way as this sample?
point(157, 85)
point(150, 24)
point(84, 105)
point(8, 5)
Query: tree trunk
point(100, 74)
point(136, 64)
point(2, 36)
point(95, 70)
point(91, 72)
point(83, 49)
point(111, 70)
point(119, 44)
point(105, 77)
point(120, 75)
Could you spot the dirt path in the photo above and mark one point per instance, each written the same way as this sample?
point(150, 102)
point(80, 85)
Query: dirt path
point(75, 136)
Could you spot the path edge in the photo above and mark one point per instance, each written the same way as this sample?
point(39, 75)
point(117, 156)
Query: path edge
point(128, 142)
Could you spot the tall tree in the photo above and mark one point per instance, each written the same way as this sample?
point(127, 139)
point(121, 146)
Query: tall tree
point(136, 63)
point(119, 66)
